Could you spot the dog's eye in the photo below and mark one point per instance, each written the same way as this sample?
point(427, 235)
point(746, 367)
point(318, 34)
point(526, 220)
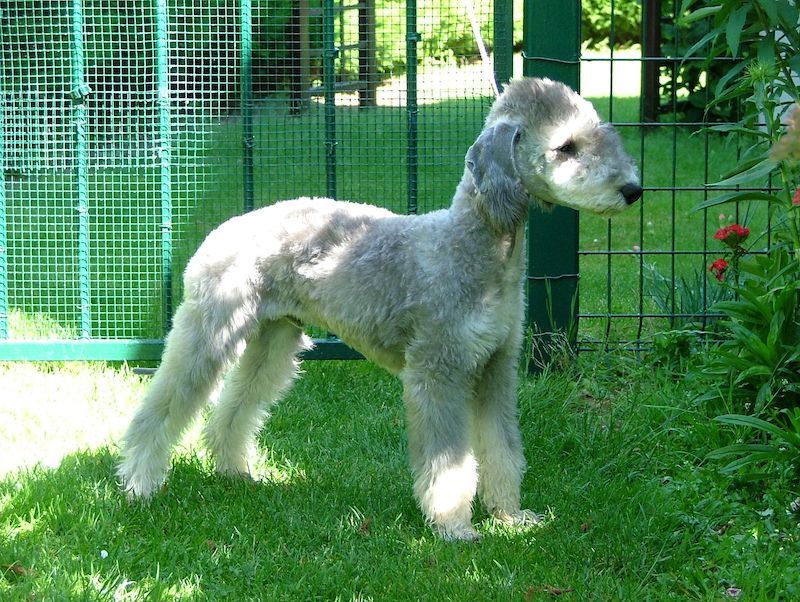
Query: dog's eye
point(568, 148)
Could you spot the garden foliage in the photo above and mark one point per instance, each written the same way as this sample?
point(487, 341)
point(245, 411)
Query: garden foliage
point(756, 367)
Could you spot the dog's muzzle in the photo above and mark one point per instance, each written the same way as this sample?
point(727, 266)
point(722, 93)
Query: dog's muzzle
point(631, 193)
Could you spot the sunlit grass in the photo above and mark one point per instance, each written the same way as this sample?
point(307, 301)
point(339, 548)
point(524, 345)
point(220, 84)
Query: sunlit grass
point(616, 463)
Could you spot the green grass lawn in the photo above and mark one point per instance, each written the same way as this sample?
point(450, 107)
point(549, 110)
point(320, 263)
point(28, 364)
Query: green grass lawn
point(615, 450)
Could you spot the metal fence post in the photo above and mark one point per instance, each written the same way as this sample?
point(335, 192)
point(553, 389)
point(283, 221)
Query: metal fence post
point(412, 108)
point(330, 53)
point(165, 158)
point(80, 121)
point(552, 237)
point(3, 226)
point(246, 14)
point(503, 16)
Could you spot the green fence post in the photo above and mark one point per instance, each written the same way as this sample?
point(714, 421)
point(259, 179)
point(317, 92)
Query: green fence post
point(3, 227)
point(412, 147)
point(329, 80)
point(165, 158)
point(246, 12)
point(552, 237)
point(503, 41)
point(78, 93)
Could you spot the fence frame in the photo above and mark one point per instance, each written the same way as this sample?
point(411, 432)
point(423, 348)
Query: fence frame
point(552, 287)
point(125, 349)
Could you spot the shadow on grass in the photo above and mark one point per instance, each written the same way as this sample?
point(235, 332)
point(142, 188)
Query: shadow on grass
point(71, 532)
point(334, 516)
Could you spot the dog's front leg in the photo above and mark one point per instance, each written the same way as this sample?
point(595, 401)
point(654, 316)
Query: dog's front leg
point(445, 475)
point(498, 444)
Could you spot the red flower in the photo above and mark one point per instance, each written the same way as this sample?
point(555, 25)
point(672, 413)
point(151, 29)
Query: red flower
point(718, 268)
point(796, 197)
point(733, 235)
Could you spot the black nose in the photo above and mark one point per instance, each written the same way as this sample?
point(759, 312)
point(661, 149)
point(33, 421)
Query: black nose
point(631, 192)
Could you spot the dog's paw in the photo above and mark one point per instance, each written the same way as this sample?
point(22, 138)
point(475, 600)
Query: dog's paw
point(235, 469)
point(519, 518)
point(461, 533)
point(138, 487)
point(140, 492)
point(243, 475)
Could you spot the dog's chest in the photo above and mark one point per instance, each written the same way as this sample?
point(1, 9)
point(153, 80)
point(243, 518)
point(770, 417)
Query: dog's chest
point(497, 310)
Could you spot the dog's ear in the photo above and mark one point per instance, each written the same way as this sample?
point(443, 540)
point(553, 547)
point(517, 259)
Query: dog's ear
point(491, 162)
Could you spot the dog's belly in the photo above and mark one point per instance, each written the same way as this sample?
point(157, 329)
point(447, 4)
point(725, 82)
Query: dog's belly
point(378, 344)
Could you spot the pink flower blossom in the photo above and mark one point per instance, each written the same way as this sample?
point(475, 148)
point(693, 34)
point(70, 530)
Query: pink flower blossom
point(733, 235)
point(718, 268)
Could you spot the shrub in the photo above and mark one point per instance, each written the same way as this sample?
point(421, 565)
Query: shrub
point(597, 22)
point(757, 364)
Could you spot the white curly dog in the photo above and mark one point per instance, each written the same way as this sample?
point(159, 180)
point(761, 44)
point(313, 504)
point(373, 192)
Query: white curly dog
point(436, 299)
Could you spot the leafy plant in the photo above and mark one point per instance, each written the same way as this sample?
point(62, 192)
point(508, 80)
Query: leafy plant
point(687, 86)
point(599, 18)
point(783, 446)
point(687, 295)
point(757, 363)
point(759, 359)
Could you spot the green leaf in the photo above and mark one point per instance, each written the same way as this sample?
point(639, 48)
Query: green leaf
point(760, 169)
point(755, 301)
point(734, 361)
point(737, 88)
point(737, 128)
point(794, 63)
point(787, 15)
point(749, 459)
point(739, 311)
point(754, 371)
point(735, 26)
point(735, 197)
point(711, 35)
point(752, 343)
point(752, 422)
point(792, 266)
point(770, 8)
point(700, 13)
point(775, 329)
point(738, 449)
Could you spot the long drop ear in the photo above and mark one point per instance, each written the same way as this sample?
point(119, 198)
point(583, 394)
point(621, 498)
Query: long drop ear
point(491, 162)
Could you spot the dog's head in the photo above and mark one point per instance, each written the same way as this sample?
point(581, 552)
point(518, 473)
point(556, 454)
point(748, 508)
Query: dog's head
point(544, 140)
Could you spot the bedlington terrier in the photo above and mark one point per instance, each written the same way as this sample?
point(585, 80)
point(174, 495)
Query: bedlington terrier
point(436, 299)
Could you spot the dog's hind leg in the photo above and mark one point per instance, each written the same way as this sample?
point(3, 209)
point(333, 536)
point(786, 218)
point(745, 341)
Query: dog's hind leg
point(264, 372)
point(438, 440)
point(196, 352)
point(497, 440)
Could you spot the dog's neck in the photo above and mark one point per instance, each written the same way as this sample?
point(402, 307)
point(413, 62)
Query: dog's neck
point(469, 203)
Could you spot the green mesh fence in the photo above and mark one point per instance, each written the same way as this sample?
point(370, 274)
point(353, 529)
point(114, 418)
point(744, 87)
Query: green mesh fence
point(646, 271)
point(131, 129)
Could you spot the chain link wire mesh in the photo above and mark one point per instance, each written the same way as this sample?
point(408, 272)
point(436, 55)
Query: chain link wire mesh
point(93, 180)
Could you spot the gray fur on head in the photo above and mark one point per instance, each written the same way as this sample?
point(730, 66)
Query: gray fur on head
point(491, 162)
point(566, 155)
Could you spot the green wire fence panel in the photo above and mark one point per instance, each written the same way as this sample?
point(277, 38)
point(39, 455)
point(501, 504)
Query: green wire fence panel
point(129, 130)
point(646, 271)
